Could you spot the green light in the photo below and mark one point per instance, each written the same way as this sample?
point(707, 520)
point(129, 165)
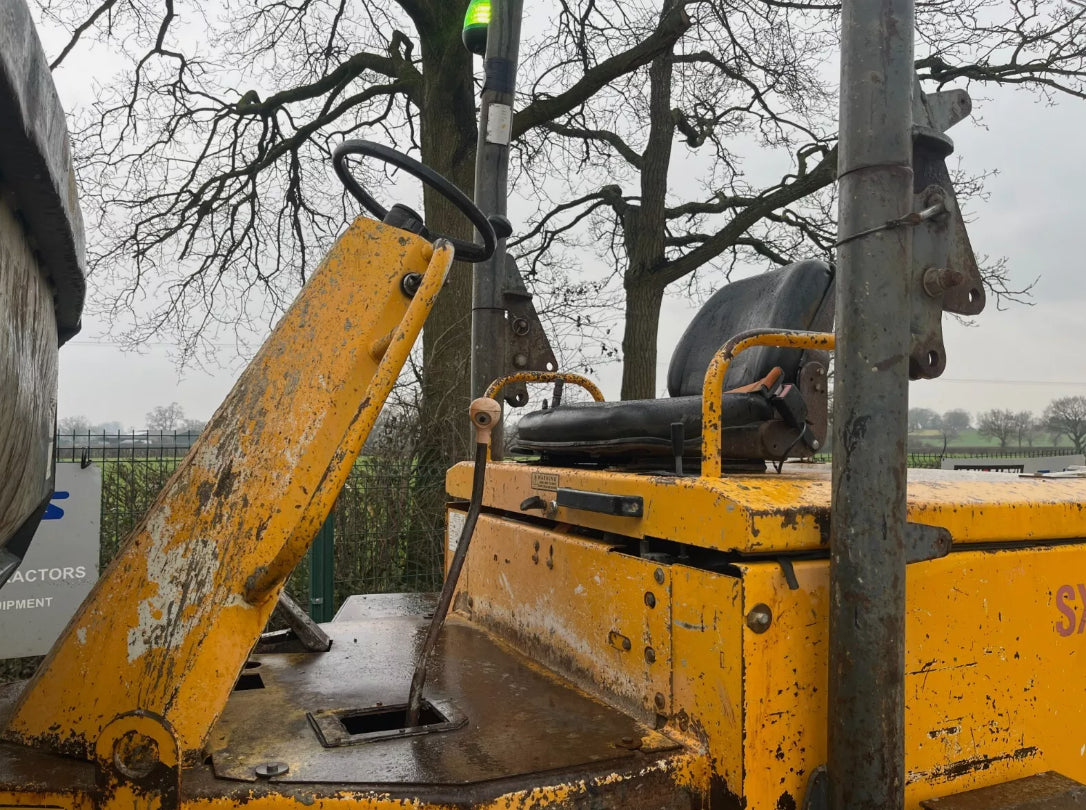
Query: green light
point(476, 21)
point(478, 13)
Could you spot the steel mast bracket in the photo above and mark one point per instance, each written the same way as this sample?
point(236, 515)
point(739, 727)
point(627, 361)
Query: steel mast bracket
point(945, 275)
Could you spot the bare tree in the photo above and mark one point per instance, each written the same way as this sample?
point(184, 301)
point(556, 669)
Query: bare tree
point(744, 74)
point(954, 422)
point(741, 74)
point(1025, 427)
point(165, 417)
point(924, 419)
point(206, 159)
point(1067, 417)
point(998, 424)
point(72, 425)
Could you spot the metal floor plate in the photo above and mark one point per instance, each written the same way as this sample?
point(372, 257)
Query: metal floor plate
point(520, 720)
point(1043, 791)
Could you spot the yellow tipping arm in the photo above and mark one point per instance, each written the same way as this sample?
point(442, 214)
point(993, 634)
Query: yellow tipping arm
point(166, 630)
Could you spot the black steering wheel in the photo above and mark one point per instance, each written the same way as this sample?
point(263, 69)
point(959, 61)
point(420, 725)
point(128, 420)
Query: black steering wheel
point(465, 251)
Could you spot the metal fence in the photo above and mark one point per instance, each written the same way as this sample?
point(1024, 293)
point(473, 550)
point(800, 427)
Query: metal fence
point(386, 528)
point(934, 460)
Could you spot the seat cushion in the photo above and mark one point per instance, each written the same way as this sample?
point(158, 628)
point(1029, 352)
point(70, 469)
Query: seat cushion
point(640, 425)
point(799, 296)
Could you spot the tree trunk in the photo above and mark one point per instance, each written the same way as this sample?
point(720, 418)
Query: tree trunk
point(448, 133)
point(644, 232)
point(639, 340)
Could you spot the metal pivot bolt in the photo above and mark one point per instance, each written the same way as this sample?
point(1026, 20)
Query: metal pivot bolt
point(135, 755)
point(650, 655)
point(410, 284)
point(269, 769)
point(759, 618)
point(937, 280)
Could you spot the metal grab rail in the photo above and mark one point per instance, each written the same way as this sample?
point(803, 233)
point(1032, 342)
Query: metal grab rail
point(712, 391)
point(543, 377)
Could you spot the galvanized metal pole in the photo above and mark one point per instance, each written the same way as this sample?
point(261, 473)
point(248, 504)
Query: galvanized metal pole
point(867, 564)
point(489, 329)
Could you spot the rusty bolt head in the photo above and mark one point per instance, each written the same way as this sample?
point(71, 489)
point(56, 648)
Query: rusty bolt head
point(658, 575)
point(629, 743)
point(650, 655)
point(269, 769)
point(520, 326)
point(650, 599)
point(759, 618)
point(660, 701)
point(135, 755)
point(937, 280)
point(520, 360)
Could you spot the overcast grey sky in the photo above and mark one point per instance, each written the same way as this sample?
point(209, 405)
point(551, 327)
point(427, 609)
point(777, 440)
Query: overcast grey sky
point(1020, 358)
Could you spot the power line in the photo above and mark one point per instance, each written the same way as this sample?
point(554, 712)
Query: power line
point(1012, 382)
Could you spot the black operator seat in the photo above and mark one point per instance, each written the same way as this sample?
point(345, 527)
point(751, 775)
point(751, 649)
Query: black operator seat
point(758, 424)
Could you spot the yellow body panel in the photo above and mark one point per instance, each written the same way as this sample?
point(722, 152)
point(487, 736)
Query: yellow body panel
point(169, 624)
point(993, 635)
point(606, 627)
point(771, 513)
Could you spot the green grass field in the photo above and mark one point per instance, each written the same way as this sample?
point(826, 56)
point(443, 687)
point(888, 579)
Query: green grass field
point(971, 438)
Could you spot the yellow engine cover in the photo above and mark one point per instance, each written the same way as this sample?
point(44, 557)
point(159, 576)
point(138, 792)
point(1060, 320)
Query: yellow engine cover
point(723, 653)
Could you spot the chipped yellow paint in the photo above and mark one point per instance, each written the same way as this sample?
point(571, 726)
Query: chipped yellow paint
point(496, 387)
point(604, 623)
point(993, 687)
point(770, 513)
point(38, 799)
point(711, 428)
point(169, 624)
point(707, 680)
point(992, 692)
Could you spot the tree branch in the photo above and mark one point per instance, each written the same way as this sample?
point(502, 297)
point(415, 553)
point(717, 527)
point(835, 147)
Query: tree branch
point(822, 175)
point(541, 110)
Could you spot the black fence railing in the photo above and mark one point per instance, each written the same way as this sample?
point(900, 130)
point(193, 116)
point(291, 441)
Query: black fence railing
point(388, 519)
point(933, 459)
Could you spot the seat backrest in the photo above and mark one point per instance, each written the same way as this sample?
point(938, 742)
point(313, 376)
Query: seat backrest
point(799, 296)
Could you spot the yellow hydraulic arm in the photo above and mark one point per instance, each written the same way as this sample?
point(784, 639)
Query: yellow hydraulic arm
point(151, 656)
